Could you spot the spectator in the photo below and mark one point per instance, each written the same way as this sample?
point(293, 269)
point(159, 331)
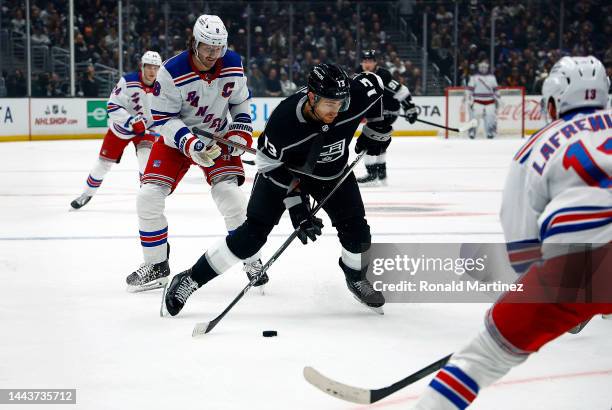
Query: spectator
point(256, 81)
point(18, 23)
point(39, 85)
point(16, 85)
point(80, 49)
point(39, 38)
point(54, 88)
point(273, 85)
point(288, 87)
point(89, 84)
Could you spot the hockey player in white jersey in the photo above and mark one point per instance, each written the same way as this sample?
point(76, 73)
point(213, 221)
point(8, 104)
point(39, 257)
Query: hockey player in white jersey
point(196, 88)
point(482, 98)
point(129, 111)
point(557, 196)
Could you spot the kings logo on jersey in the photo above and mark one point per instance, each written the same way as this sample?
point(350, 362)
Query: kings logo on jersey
point(331, 152)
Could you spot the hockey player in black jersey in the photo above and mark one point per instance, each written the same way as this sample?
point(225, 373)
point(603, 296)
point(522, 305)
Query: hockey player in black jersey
point(395, 94)
point(302, 153)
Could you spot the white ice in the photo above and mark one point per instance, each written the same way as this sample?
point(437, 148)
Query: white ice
point(66, 320)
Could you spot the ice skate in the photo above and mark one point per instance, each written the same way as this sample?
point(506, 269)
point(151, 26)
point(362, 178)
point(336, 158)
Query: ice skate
point(148, 276)
point(371, 178)
point(179, 290)
point(253, 268)
point(362, 289)
point(81, 201)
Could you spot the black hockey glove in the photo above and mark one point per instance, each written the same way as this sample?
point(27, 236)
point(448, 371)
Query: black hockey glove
point(310, 226)
point(410, 110)
point(374, 139)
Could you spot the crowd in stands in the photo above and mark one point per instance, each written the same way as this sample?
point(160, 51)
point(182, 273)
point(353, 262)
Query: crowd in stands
point(276, 62)
point(526, 36)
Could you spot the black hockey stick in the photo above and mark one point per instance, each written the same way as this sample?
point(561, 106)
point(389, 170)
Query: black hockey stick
point(205, 327)
point(470, 124)
point(367, 396)
point(224, 141)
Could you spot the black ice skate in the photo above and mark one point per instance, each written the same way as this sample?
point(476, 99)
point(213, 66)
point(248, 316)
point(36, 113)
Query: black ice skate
point(381, 171)
point(252, 269)
point(181, 287)
point(80, 201)
point(362, 289)
point(371, 176)
point(148, 276)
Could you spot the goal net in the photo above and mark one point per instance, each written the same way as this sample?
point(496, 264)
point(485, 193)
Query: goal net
point(510, 113)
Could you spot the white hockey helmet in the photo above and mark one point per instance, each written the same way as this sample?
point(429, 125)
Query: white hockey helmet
point(483, 67)
point(151, 57)
point(209, 29)
point(576, 82)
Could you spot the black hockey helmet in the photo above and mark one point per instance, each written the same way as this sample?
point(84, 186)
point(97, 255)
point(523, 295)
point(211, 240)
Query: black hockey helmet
point(330, 81)
point(368, 55)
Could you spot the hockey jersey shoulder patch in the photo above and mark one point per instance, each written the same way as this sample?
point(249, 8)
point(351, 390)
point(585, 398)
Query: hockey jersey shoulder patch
point(232, 65)
point(132, 80)
point(178, 65)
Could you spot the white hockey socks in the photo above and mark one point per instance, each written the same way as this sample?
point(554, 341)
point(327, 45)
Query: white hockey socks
point(142, 153)
point(476, 366)
point(96, 176)
point(152, 223)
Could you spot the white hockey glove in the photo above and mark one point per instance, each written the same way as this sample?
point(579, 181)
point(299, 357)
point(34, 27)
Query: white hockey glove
point(199, 153)
point(241, 133)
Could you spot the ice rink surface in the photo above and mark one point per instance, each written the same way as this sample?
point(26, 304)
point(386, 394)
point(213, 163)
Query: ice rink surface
point(66, 320)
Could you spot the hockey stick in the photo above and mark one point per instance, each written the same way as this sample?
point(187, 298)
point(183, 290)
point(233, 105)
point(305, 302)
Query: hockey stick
point(367, 396)
point(202, 328)
point(470, 124)
point(224, 141)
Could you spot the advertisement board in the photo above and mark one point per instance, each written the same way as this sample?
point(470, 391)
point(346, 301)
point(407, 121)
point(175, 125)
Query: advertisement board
point(14, 119)
point(76, 118)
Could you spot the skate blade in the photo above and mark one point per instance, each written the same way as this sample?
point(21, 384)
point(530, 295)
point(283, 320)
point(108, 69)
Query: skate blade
point(163, 312)
point(377, 310)
point(156, 284)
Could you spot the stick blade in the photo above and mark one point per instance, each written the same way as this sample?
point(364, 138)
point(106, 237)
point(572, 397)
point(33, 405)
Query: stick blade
point(336, 389)
point(200, 329)
point(473, 123)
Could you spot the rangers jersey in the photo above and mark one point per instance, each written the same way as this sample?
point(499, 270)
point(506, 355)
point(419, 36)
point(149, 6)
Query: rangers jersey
point(482, 89)
point(185, 97)
point(130, 97)
point(559, 185)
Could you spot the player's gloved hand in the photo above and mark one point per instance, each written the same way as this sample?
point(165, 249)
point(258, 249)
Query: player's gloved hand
point(139, 125)
point(241, 133)
point(373, 140)
point(199, 153)
point(410, 110)
point(301, 216)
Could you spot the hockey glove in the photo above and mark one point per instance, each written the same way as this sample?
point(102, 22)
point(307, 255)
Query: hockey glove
point(374, 139)
point(410, 110)
point(139, 125)
point(301, 217)
point(242, 133)
point(199, 153)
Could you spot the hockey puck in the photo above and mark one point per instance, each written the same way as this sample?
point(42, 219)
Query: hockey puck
point(270, 333)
